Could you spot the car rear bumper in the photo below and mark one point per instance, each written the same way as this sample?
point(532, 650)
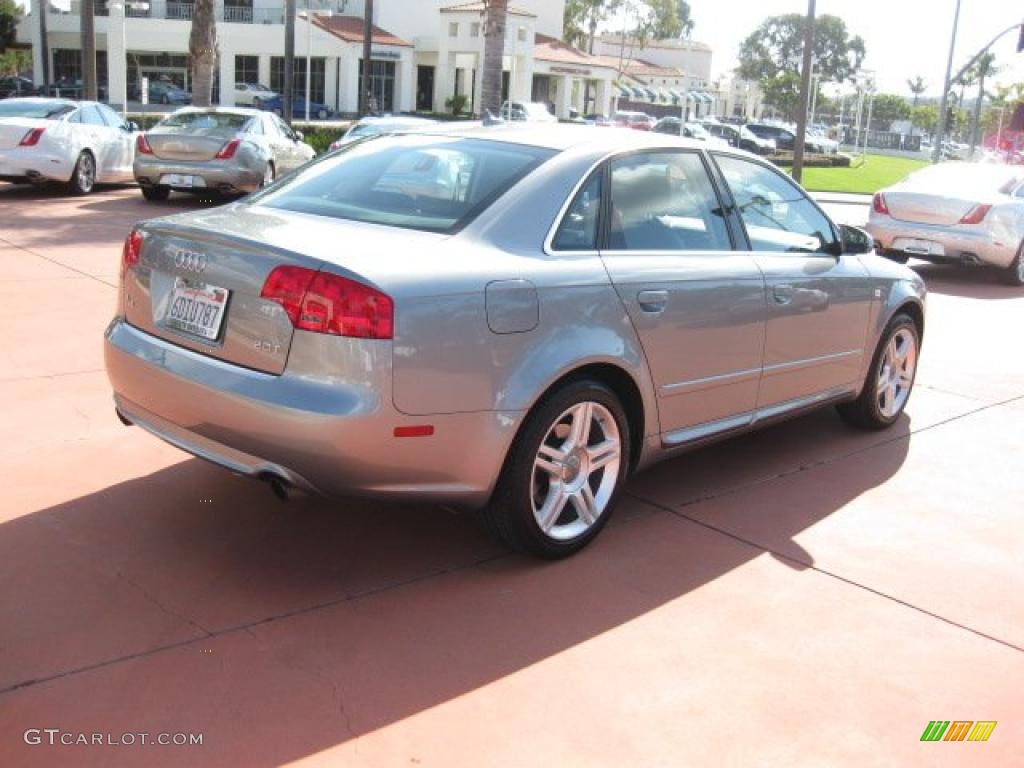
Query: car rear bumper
point(959, 244)
point(34, 163)
point(217, 175)
point(324, 433)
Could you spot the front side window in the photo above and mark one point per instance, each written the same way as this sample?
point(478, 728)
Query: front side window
point(578, 231)
point(91, 116)
point(777, 214)
point(435, 184)
point(664, 201)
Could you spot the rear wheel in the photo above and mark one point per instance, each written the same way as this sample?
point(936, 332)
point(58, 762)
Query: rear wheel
point(322, 114)
point(564, 472)
point(1014, 274)
point(83, 178)
point(890, 379)
point(156, 194)
point(268, 176)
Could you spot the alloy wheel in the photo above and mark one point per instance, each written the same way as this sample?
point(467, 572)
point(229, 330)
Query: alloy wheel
point(896, 373)
point(576, 470)
point(85, 172)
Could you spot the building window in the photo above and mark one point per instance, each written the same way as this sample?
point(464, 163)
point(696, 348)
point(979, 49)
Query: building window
point(317, 70)
point(247, 69)
point(474, 29)
point(382, 83)
point(453, 29)
point(67, 65)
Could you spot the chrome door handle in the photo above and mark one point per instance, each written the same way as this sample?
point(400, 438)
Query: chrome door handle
point(783, 294)
point(652, 301)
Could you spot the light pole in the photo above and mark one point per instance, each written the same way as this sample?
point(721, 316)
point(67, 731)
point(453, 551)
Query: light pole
point(308, 16)
point(135, 5)
point(941, 127)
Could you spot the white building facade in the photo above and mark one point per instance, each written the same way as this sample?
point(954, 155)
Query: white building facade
point(424, 52)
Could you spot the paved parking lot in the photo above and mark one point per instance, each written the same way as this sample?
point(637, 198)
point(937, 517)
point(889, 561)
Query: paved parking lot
point(804, 596)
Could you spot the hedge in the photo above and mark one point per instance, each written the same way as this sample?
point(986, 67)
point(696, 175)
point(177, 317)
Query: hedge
point(811, 160)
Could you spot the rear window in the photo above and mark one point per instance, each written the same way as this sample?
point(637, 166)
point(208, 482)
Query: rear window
point(202, 121)
point(48, 110)
point(430, 183)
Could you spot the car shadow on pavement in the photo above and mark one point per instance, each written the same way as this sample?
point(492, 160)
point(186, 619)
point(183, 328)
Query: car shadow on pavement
point(966, 282)
point(329, 620)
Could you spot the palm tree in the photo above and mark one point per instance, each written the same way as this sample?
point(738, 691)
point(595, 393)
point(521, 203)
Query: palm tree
point(917, 87)
point(984, 68)
point(202, 47)
point(496, 12)
point(87, 21)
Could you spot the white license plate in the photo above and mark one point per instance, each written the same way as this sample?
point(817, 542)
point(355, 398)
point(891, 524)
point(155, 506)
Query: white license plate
point(178, 180)
point(922, 247)
point(197, 309)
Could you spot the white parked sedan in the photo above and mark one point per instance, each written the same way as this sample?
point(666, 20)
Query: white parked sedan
point(960, 213)
point(253, 94)
point(77, 143)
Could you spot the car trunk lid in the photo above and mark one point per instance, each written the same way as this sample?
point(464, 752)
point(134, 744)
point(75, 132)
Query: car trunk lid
point(13, 129)
point(190, 145)
point(928, 208)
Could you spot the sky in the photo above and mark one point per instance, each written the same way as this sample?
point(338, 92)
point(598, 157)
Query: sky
point(903, 38)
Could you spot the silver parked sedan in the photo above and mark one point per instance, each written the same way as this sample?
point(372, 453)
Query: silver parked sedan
point(955, 213)
point(572, 306)
point(225, 150)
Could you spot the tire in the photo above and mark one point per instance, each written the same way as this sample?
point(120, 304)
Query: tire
point(269, 175)
point(156, 194)
point(165, 99)
point(83, 178)
point(1014, 274)
point(898, 256)
point(322, 114)
point(880, 406)
point(549, 502)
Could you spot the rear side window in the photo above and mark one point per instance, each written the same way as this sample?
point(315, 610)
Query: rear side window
point(578, 231)
point(664, 201)
point(775, 211)
point(91, 116)
point(435, 184)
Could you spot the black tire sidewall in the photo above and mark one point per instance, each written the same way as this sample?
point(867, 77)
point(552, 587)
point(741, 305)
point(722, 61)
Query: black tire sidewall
point(76, 188)
point(513, 496)
point(156, 194)
point(870, 394)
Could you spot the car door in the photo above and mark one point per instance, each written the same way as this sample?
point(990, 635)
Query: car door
point(697, 304)
point(121, 144)
point(280, 145)
point(92, 133)
point(818, 301)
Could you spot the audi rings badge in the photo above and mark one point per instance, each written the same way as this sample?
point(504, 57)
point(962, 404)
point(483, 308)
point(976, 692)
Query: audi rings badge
point(190, 261)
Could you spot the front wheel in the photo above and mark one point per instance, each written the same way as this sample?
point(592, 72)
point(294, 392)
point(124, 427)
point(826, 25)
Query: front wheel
point(1014, 274)
point(564, 472)
point(268, 176)
point(890, 379)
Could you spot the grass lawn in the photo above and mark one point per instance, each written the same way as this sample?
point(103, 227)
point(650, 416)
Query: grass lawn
point(877, 172)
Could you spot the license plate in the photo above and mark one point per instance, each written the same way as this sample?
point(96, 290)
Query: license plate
point(922, 247)
point(178, 180)
point(197, 309)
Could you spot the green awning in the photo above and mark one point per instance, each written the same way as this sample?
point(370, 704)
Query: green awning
point(678, 97)
point(704, 97)
point(664, 96)
point(624, 92)
point(638, 93)
point(651, 94)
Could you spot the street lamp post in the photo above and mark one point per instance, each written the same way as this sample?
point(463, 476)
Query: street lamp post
point(308, 16)
point(135, 5)
point(941, 127)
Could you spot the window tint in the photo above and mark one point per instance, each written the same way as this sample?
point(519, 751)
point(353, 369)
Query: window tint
point(664, 201)
point(205, 121)
point(418, 182)
point(578, 231)
point(49, 109)
point(91, 116)
point(282, 127)
point(777, 214)
point(110, 116)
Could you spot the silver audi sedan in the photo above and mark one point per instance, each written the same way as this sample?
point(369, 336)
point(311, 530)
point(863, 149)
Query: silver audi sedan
point(955, 213)
point(570, 306)
point(216, 149)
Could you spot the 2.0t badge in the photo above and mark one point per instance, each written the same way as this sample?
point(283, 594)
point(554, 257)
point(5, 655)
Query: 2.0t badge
point(191, 261)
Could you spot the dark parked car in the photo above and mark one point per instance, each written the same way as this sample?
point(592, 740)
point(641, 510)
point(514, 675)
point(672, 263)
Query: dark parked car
point(784, 138)
point(317, 110)
point(15, 86)
point(738, 136)
point(165, 93)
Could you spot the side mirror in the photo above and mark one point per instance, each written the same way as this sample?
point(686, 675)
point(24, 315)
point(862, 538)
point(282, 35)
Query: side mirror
point(131, 126)
point(299, 135)
point(856, 240)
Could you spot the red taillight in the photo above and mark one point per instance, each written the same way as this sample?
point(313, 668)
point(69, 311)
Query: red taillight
point(976, 214)
point(228, 150)
point(31, 138)
point(420, 430)
point(142, 145)
point(131, 251)
point(323, 302)
point(879, 205)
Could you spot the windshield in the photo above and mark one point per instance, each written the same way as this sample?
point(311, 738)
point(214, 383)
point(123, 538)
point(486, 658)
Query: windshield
point(204, 121)
point(435, 184)
point(47, 110)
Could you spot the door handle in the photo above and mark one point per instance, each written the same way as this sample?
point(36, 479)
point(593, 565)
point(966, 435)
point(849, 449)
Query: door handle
point(652, 301)
point(783, 294)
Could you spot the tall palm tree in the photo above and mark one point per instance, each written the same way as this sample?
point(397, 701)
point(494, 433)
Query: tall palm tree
point(495, 16)
point(87, 20)
point(202, 47)
point(984, 68)
point(917, 87)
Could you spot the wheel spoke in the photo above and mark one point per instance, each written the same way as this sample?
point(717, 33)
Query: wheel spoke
point(553, 506)
point(549, 460)
point(579, 432)
point(585, 504)
point(603, 453)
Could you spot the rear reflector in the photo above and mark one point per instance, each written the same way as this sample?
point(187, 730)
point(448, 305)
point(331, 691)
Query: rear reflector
point(31, 138)
point(424, 430)
point(228, 150)
point(323, 302)
point(142, 145)
point(879, 205)
point(976, 214)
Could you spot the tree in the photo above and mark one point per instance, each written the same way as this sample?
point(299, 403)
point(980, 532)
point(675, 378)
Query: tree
point(14, 61)
point(917, 86)
point(581, 19)
point(925, 117)
point(495, 17)
point(888, 108)
point(983, 68)
point(774, 51)
point(202, 47)
point(10, 14)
